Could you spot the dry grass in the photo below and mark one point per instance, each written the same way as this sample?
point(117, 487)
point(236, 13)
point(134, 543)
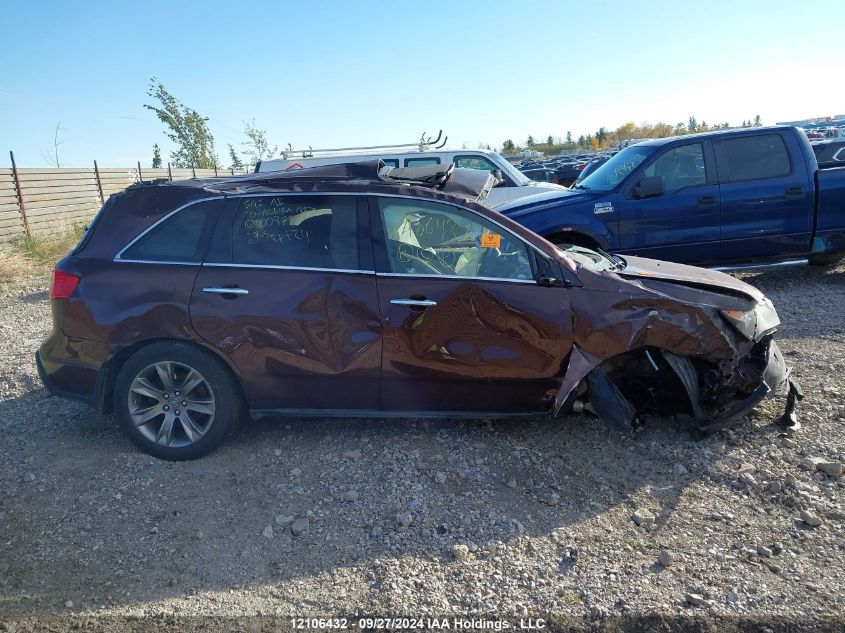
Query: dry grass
point(37, 254)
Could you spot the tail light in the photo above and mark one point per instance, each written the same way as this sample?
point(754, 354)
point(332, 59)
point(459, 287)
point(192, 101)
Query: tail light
point(63, 284)
point(580, 166)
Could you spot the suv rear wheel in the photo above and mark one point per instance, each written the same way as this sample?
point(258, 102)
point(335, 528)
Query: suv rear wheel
point(175, 401)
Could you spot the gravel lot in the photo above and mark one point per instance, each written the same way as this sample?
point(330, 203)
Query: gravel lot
point(430, 518)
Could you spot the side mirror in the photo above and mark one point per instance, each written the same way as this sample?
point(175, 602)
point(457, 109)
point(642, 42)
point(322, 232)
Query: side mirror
point(649, 187)
point(499, 176)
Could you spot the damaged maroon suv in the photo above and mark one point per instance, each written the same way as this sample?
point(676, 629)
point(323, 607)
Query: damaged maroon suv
point(357, 290)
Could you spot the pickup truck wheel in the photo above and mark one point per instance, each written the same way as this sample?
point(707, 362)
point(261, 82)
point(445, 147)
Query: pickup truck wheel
point(826, 259)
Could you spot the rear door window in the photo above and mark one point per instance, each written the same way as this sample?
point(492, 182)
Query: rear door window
point(179, 238)
point(756, 157)
point(297, 232)
point(421, 162)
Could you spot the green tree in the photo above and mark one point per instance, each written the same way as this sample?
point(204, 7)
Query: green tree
point(601, 136)
point(234, 160)
point(692, 124)
point(156, 156)
point(508, 147)
point(530, 141)
point(185, 127)
point(256, 146)
point(568, 137)
point(550, 140)
point(757, 121)
point(582, 141)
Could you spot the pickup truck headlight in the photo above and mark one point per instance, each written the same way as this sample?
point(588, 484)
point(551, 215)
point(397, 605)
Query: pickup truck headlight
point(754, 324)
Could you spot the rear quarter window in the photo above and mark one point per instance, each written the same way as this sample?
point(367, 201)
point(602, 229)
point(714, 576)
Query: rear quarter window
point(756, 157)
point(180, 237)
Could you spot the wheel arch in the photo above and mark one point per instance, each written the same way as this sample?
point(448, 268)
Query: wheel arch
point(112, 368)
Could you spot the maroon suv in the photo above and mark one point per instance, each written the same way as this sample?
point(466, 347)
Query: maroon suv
point(358, 291)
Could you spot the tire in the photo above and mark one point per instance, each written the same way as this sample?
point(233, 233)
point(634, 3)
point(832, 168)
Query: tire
point(826, 259)
point(182, 425)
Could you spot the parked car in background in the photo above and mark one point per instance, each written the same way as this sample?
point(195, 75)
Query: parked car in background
point(512, 183)
point(591, 166)
point(830, 153)
point(347, 291)
point(726, 197)
point(540, 174)
point(567, 172)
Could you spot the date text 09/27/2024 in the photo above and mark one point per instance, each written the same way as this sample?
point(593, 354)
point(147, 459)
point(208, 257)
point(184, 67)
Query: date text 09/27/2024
point(421, 623)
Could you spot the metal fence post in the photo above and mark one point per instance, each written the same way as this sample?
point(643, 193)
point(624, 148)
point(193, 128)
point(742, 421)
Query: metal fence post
point(99, 183)
point(194, 169)
point(140, 177)
point(21, 206)
point(169, 172)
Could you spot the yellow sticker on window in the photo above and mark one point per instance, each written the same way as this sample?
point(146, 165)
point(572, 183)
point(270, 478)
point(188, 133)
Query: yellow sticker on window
point(491, 240)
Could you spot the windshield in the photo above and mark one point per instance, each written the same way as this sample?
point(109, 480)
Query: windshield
point(594, 260)
point(607, 176)
point(520, 178)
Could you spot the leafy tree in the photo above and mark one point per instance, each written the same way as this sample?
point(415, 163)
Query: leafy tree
point(156, 156)
point(582, 141)
point(601, 136)
point(185, 127)
point(530, 141)
point(257, 147)
point(508, 147)
point(234, 159)
point(568, 137)
point(692, 124)
point(550, 140)
point(680, 128)
point(757, 121)
point(594, 143)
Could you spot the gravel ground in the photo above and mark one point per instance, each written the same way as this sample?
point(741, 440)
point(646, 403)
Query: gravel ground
point(431, 518)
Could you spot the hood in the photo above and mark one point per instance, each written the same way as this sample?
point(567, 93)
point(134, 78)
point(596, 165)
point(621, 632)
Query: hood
point(556, 195)
point(641, 267)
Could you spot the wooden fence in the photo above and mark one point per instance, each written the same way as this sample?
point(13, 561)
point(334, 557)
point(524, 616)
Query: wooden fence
point(45, 201)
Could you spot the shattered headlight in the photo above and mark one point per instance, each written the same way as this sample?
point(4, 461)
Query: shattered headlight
point(754, 324)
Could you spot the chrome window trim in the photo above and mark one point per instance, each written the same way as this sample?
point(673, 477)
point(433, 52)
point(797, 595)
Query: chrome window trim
point(836, 156)
point(531, 282)
point(154, 261)
point(118, 257)
point(298, 268)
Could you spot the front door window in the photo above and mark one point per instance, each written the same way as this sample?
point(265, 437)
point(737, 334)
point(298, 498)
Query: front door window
point(427, 238)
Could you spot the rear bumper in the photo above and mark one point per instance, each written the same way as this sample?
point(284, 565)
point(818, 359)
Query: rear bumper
point(52, 386)
point(72, 369)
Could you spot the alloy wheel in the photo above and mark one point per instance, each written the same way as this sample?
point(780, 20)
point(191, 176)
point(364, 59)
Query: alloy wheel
point(171, 404)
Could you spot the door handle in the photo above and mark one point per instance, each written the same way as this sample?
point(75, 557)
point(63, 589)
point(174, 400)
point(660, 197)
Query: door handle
point(216, 290)
point(414, 303)
point(707, 201)
point(794, 191)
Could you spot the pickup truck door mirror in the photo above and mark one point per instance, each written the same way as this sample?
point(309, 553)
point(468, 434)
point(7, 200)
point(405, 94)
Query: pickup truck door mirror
point(649, 187)
point(500, 178)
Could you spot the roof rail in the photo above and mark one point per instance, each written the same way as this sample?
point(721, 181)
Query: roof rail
point(423, 144)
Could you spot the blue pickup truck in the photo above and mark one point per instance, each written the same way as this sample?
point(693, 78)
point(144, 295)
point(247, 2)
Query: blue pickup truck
point(729, 197)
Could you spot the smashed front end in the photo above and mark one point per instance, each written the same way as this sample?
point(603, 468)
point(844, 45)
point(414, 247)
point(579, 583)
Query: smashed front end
point(669, 346)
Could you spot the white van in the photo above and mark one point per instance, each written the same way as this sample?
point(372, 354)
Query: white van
point(514, 184)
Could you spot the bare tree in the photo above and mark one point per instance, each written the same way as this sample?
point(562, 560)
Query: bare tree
point(53, 160)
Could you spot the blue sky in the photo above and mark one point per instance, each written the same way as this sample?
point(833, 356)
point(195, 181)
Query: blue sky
point(360, 73)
